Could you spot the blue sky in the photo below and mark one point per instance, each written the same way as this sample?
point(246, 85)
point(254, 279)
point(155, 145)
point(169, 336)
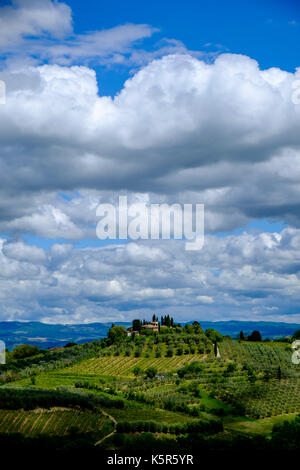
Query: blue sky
point(267, 31)
point(164, 101)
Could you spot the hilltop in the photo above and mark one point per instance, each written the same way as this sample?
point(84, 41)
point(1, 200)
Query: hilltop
point(180, 386)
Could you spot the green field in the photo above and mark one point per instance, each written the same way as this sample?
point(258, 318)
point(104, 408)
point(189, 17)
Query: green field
point(258, 426)
point(245, 388)
point(55, 422)
point(261, 398)
point(137, 412)
point(123, 366)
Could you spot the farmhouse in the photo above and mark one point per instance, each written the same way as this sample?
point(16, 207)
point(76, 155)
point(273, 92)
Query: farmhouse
point(152, 325)
point(130, 330)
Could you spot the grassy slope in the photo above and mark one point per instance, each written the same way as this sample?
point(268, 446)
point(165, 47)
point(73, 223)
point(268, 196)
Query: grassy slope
point(121, 368)
point(257, 426)
point(56, 421)
point(139, 412)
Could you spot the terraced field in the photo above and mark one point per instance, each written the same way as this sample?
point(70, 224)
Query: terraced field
point(259, 355)
point(265, 399)
point(247, 383)
point(56, 422)
point(135, 411)
point(123, 366)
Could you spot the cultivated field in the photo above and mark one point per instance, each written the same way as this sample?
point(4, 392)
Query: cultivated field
point(169, 385)
point(123, 365)
point(55, 422)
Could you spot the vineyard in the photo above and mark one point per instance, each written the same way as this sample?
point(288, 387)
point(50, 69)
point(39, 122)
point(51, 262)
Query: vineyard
point(123, 365)
point(260, 355)
point(56, 422)
point(243, 378)
point(168, 384)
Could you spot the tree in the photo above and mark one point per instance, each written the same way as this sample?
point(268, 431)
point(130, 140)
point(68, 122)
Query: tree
point(70, 345)
point(151, 372)
point(296, 334)
point(197, 328)
point(158, 351)
point(116, 334)
point(194, 368)
point(250, 371)
point(25, 350)
point(242, 336)
point(213, 335)
point(194, 389)
point(189, 329)
point(255, 336)
point(137, 325)
point(33, 379)
point(279, 373)
point(137, 371)
point(267, 376)
point(230, 369)
point(138, 352)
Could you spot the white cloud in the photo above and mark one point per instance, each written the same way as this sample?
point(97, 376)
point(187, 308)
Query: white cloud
point(247, 276)
point(33, 18)
point(42, 30)
point(205, 299)
point(21, 252)
point(225, 134)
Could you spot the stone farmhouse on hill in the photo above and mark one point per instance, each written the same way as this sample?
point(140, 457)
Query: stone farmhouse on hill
point(152, 325)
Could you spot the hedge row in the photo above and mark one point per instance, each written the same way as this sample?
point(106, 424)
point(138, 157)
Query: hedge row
point(203, 427)
point(28, 399)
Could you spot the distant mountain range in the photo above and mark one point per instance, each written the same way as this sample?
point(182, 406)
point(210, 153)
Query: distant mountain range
point(270, 330)
point(47, 336)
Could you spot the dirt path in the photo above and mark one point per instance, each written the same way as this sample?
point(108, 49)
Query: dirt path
point(111, 433)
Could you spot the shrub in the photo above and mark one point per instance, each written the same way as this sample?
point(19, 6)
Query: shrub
point(194, 368)
point(170, 351)
point(24, 350)
point(151, 372)
point(137, 371)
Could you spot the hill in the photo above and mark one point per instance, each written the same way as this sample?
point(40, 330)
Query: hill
point(176, 388)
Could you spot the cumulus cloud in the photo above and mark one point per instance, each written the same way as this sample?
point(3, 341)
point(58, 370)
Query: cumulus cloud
point(247, 276)
point(225, 134)
point(182, 129)
point(21, 252)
